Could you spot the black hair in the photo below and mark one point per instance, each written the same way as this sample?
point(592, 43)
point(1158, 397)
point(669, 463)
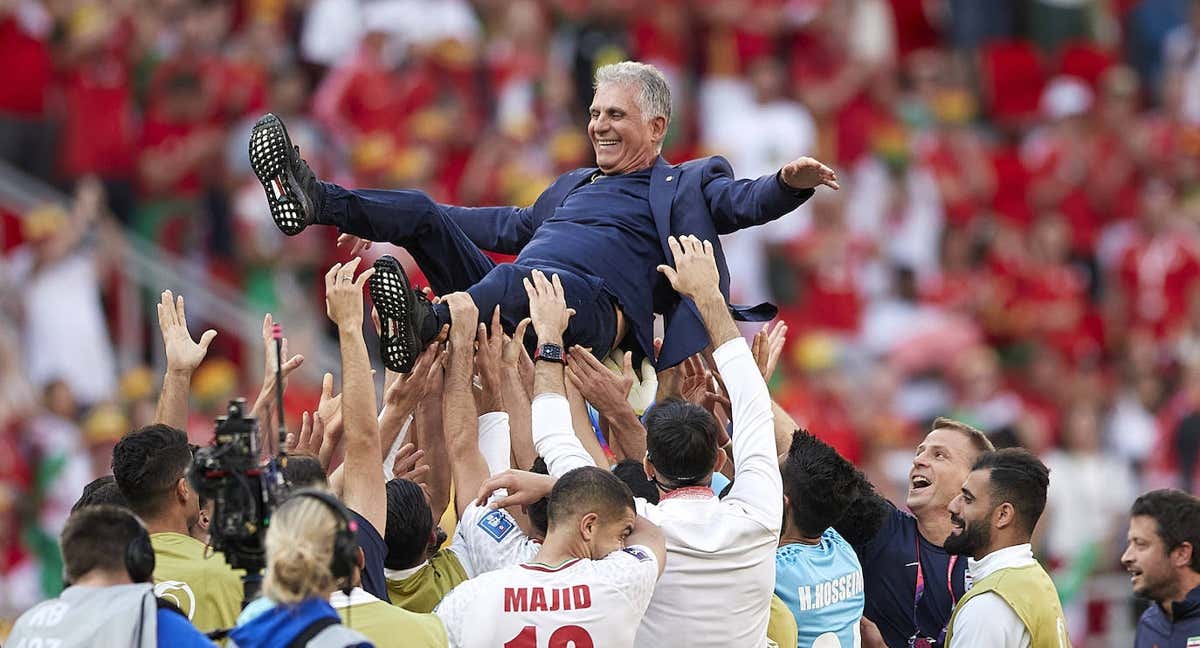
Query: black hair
point(409, 524)
point(102, 490)
point(538, 512)
point(97, 537)
point(304, 471)
point(1019, 478)
point(147, 463)
point(681, 443)
point(633, 474)
point(819, 483)
point(1177, 516)
point(588, 489)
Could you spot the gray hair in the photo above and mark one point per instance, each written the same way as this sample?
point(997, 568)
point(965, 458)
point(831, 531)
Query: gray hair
point(654, 100)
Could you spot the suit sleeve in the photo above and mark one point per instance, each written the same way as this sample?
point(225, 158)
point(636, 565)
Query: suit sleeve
point(738, 204)
point(508, 229)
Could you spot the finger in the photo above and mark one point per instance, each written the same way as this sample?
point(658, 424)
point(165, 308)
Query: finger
point(266, 329)
point(497, 329)
point(167, 303)
point(376, 322)
point(627, 366)
point(163, 325)
point(292, 364)
point(327, 386)
point(180, 311)
point(363, 277)
point(519, 332)
point(557, 284)
point(708, 247)
point(529, 291)
point(331, 275)
point(831, 184)
point(574, 377)
point(206, 339)
point(673, 243)
point(570, 313)
point(419, 474)
point(668, 272)
point(351, 266)
point(305, 427)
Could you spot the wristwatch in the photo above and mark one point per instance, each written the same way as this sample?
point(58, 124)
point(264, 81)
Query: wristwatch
point(550, 353)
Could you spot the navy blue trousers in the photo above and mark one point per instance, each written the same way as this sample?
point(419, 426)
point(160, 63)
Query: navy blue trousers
point(452, 263)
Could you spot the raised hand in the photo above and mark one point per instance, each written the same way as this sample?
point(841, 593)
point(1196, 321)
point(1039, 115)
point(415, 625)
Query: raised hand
point(290, 363)
point(329, 408)
point(183, 353)
point(606, 391)
point(344, 293)
point(695, 272)
point(357, 245)
point(490, 351)
point(403, 395)
point(523, 488)
point(547, 306)
point(768, 346)
point(806, 173)
point(464, 317)
point(409, 465)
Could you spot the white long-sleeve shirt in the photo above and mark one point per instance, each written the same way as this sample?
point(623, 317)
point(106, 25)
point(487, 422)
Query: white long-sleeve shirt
point(553, 437)
point(987, 621)
point(713, 545)
point(722, 546)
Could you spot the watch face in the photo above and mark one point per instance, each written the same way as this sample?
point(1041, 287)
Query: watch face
point(550, 352)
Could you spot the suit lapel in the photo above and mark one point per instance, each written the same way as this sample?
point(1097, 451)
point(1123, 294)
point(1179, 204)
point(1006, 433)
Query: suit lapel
point(664, 180)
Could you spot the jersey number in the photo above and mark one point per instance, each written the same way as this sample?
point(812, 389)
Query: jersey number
point(565, 637)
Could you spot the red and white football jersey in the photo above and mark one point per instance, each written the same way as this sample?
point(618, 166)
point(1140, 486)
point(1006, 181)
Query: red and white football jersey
point(580, 604)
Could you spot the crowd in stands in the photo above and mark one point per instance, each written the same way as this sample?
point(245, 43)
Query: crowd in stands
point(1015, 243)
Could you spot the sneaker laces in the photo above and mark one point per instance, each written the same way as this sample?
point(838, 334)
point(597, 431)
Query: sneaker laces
point(303, 173)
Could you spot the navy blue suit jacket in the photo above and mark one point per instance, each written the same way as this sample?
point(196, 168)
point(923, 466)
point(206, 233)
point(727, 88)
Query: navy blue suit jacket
point(700, 197)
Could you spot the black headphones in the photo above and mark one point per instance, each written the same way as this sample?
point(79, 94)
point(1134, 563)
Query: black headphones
point(345, 539)
point(139, 553)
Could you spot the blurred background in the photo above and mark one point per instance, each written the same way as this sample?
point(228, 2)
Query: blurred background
point(1015, 243)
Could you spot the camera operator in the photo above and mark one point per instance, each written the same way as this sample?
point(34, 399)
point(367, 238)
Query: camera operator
point(150, 466)
point(108, 562)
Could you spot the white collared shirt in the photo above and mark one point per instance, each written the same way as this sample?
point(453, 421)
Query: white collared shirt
point(987, 620)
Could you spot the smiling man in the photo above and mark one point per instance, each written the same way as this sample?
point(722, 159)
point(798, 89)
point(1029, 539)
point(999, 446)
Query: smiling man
point(1012, 602)
point(911, 583)
point(1163, 561)
point(602, 230)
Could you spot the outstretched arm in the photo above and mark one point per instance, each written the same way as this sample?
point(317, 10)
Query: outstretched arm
point(183, 356)
point(467, 466)
point(737, 204)
point(758, 487)
point(363, 490)
point(553, 434)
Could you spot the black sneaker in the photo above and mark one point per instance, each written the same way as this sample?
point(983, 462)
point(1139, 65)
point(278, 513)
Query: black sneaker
point(406, 318)
point(292, 189)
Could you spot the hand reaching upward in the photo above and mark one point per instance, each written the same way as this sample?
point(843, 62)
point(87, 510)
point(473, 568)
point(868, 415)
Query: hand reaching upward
point(183, 353)
point(547, 307)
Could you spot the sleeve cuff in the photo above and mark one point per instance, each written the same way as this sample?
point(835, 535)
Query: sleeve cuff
point(730, 350)
point(804, 194)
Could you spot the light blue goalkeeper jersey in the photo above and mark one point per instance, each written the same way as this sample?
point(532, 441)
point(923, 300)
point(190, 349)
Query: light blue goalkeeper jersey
point(822, 585)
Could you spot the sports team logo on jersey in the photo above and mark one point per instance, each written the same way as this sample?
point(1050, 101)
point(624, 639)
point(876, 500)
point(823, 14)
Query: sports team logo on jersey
point(179, 593)
point(496, 524)
point(637, 552)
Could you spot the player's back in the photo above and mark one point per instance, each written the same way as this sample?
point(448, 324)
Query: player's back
point(721, 551)
point(822, 585)
point(198, 581)
point(580, 603)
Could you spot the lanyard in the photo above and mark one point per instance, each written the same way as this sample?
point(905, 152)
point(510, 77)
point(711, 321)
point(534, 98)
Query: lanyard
point(919, 589)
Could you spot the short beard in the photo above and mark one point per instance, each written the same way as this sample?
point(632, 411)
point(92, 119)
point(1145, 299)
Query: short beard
point(974, 538)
